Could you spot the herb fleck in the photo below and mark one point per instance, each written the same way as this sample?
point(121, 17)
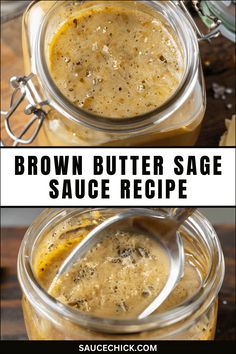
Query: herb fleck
point(163, 59)
point(125, 252)
point(122, 307)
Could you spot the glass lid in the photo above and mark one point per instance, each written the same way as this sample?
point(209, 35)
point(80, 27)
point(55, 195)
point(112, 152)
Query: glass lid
point(224, 11)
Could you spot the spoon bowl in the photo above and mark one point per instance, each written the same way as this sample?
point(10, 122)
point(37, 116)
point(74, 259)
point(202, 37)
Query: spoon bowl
point(149, 223)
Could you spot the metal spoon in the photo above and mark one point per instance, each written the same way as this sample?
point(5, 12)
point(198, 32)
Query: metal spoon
point(150, 223)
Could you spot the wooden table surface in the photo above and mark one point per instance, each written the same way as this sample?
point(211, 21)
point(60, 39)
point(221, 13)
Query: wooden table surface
point(12, 324)
point(219, 57)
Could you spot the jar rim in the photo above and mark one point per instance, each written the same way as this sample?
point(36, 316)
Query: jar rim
point(47, 305)
point(131, 124)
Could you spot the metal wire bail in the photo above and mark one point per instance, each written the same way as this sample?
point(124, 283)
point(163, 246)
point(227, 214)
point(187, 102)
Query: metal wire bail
point(24, 89)
point(213, 21)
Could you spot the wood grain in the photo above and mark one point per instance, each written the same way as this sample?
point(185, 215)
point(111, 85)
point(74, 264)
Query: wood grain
point(12, 323)
point(219, 55)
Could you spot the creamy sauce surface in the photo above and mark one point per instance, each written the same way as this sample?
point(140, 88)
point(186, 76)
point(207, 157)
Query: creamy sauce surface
point(116, 61)
point(120, 276)
point(117, 278)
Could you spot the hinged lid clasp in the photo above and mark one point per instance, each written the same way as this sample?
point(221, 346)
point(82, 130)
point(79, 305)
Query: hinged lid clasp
point(212, 22)
point(24, 89)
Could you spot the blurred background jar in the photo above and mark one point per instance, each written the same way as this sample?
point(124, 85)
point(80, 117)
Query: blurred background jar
point(12, 9)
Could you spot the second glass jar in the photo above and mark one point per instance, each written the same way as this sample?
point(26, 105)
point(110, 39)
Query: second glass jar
point(192, 317)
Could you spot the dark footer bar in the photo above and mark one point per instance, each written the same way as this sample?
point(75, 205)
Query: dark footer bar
point(189, 347)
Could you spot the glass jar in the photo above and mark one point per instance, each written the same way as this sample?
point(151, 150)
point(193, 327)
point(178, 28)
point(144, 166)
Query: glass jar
point(192, 319)
point(176, 123)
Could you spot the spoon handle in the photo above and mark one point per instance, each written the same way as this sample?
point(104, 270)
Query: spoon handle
point(181, 214)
